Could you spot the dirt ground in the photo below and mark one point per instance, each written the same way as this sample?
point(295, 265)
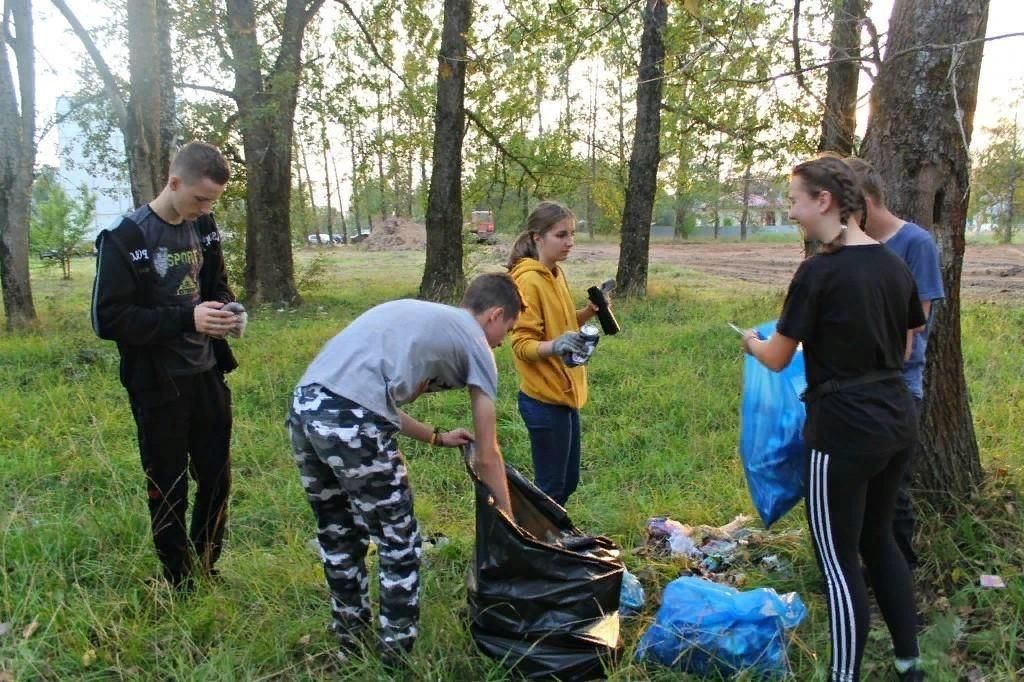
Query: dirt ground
point(989, 273)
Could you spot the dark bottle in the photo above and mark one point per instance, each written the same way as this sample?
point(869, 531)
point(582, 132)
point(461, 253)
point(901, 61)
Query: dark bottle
point(609, 325)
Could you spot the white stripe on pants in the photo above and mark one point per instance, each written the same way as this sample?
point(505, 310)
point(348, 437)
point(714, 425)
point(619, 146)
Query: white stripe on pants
point(841, 613)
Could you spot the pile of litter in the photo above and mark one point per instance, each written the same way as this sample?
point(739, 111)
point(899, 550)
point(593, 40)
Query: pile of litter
point(396, 234)
point(712, 552)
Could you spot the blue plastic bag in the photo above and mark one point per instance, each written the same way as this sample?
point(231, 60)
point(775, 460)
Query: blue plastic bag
point(631, 595)
point(771, 441)
point(703, 627)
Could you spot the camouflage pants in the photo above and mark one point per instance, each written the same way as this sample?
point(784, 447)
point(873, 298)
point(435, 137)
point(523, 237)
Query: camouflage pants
point(356, 482)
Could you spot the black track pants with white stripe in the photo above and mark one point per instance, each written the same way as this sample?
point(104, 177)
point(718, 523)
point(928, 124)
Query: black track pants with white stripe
point(850, 503)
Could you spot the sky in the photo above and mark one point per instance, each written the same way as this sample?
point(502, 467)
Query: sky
point(59, 53)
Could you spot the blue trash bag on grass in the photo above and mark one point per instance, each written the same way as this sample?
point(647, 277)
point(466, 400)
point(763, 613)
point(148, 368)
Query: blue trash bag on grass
point(771, 440)
point(703, 628)
point(631, 597)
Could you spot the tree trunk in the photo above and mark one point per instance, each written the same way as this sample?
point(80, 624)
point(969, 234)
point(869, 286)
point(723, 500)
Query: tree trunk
point(309, 189)
point(355, 181)
point(17, 161)
point(341, 204)
point(266, 110)
point(324, 145)
point(746, 204)
point(679, 230)
point(382, 182)
point(643, 162)
point(147, 117)
point(443, 279)
point(839, 120)
point(150, 106)
point(914, 141)
point(592, 142)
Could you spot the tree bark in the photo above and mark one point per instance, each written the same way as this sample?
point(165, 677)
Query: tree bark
point(17, 161)
point(839, 120)
point(745, 216)
point(915, 141)
point(325, 147)
point(443, 278)
point(266, 108)
point(147, 117)
point(355, 181)
point(150, 122)
point(643, 161)
point(341, 204)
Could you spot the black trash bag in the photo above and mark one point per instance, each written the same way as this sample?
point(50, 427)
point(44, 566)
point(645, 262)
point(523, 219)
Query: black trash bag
point(543, 597)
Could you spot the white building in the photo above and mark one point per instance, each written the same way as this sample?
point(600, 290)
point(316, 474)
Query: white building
point(111, 186)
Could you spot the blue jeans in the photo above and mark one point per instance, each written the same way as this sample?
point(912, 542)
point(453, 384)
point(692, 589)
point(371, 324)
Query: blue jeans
point(555, 444)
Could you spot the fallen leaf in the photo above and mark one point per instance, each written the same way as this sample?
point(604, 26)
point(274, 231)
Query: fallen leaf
point(88, 658)
point(304, 640)
point(691, 7)
point(6, 676)
point(30, 629)
point(975, 675)
point(5, 628)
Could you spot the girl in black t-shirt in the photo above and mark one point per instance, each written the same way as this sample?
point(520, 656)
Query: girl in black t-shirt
point(852, 307)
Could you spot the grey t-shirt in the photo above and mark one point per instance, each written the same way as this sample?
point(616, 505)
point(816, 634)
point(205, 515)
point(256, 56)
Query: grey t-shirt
point(177, 256)
point(395, 351)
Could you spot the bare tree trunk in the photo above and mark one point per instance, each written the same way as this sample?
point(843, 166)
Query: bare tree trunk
point(17, 160)
point(150, 98)
point(266, 110)
point(146, 116)
point(325, 146)
point(341, 204)
point(643, 162)
point(914, 139)
point(383, 184)
point(309, 188)
point(353, 149)
point(592, 142)
point(839, 120)
point(746, 204)
point(443, 278)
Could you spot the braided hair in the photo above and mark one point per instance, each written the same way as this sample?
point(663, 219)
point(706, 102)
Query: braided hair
point(830, 174)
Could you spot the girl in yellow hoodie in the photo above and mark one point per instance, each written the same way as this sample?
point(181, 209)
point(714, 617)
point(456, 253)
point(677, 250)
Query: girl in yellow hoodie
point(550, 394)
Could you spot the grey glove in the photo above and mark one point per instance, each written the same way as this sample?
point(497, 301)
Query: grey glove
point(241, 318)
point(568, 343)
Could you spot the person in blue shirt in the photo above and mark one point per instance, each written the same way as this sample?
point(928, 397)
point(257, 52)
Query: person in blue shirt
point(917, 248)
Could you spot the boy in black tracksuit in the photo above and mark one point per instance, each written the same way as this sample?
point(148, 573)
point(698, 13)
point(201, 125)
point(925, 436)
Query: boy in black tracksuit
point(159, 289)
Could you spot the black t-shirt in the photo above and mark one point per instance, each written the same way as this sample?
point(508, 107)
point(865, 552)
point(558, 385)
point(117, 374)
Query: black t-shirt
point(851, 310)
point(177, 256)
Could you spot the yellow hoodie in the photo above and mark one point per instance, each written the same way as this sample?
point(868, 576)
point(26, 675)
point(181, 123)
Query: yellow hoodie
point(549, 313)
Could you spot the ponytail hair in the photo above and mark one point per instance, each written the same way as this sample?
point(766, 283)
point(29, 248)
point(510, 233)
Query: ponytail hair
point(830, 174)
point(542, 218)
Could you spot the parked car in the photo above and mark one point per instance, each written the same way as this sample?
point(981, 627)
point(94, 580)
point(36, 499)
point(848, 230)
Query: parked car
point(49, 254)
point(314, 241)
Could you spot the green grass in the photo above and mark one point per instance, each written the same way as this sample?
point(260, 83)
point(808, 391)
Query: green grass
point(659, 437)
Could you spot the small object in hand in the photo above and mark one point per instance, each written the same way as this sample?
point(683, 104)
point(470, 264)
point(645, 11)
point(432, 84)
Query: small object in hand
point(741, 332)
point(992, 581)
point(241, 318)
point(589, 335)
